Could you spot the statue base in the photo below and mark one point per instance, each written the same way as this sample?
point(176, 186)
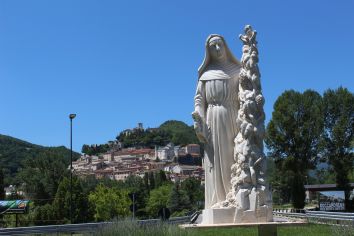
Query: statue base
point(218, 216)
point(234, 215)
point(261, 214)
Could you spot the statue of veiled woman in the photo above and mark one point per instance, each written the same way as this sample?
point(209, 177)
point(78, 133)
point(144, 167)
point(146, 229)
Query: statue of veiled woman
point(215, 115)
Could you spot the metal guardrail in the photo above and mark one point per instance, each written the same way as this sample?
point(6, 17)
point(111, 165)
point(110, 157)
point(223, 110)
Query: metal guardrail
point(51, 229)
point(79, 228)
point(312, 216)
point(326, 217)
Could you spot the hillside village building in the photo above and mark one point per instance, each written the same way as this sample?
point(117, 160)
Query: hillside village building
point(119, 164)
point(170, 151)
point(192, 149)
point(165, 153)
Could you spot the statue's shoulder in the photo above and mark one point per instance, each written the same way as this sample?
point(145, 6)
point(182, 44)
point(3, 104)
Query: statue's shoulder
point(207, 75)
point(213, 74)
point(217, 73)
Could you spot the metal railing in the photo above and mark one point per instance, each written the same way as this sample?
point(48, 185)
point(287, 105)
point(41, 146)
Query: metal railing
point(79, 228)
point(322, 217)
point(326, 217)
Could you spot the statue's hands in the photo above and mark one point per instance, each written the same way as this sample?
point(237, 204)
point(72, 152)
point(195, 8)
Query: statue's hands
point(196, 116)
point(199, 127)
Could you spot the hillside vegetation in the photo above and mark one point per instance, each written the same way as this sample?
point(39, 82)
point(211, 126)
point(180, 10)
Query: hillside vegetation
point(173, 131)
point(179, 132)
point(14, 153)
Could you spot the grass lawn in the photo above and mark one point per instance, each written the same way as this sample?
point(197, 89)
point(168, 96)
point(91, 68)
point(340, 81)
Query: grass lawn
point(129, 228)
point(173, 230)
point(309, 229)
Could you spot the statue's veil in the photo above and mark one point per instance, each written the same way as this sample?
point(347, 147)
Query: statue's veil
point(207, 57)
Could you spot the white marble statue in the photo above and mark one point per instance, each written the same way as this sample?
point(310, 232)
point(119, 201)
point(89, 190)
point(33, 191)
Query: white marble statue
point(229, 120)
point(216, 106)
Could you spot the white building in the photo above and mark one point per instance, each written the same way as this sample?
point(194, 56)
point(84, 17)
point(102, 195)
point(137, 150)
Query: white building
point(121, 175)
point(184, 170)
point(179, 151)
point(166, 153)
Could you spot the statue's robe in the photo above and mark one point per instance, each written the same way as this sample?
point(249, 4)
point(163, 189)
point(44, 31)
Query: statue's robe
point(216, 101)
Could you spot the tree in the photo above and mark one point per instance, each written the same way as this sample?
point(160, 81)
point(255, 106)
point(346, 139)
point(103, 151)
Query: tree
point(280, 180)
point(158, 198)
point(89, 183)
point(45, 215)
point(171, 131)
point(61, 205)
point(109, 203)
point(135, 184)
point(298, 192)
point(15, 153)
point(41, 176)
point(144, 138)
point(2, 185)
point(160, 178)
point(178, 200)
point(95, 149)
point(324, 176)
point(2, 190)
point(339, 134)
point(179, 132)
point(86, 149)
point(194, 190)
point(146, 182)
point(293, 137)
point(151, 180)
point(112, 183)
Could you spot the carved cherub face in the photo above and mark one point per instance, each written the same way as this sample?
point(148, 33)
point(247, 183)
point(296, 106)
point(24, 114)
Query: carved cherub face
point(217, 48)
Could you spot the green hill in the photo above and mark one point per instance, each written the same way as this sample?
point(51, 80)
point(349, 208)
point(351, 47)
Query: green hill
point(13, 153)
point(173, 131)
point(180, 133)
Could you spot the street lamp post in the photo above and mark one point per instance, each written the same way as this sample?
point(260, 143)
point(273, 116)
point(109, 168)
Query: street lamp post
point(71, 116)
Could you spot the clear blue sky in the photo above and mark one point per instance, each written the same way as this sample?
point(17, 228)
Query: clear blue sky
point(116, 63)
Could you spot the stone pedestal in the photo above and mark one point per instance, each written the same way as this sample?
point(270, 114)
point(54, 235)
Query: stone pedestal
point(233, 215)
point(261, 214)
point(218, 216)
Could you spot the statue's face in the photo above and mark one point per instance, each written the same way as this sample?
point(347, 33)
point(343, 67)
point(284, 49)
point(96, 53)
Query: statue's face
point(217, 48)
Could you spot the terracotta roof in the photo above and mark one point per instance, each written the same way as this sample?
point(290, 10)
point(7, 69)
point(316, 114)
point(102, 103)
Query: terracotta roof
point(103, 171)
point(135, 152)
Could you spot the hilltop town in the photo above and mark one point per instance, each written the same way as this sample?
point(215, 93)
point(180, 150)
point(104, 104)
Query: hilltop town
point(117, 162)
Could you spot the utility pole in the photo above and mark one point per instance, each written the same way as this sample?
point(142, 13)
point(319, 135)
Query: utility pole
point(71, 116)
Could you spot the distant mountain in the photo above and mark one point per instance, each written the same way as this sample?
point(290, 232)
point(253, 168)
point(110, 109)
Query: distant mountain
point(13, 152)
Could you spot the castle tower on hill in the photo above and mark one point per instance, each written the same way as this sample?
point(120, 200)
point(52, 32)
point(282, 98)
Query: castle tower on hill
point(140, 126)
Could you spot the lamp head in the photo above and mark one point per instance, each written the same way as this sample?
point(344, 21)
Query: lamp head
point(72, 116)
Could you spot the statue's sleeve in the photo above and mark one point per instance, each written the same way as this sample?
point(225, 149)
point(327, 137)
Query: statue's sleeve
point(200, 101)
point(199, 114)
